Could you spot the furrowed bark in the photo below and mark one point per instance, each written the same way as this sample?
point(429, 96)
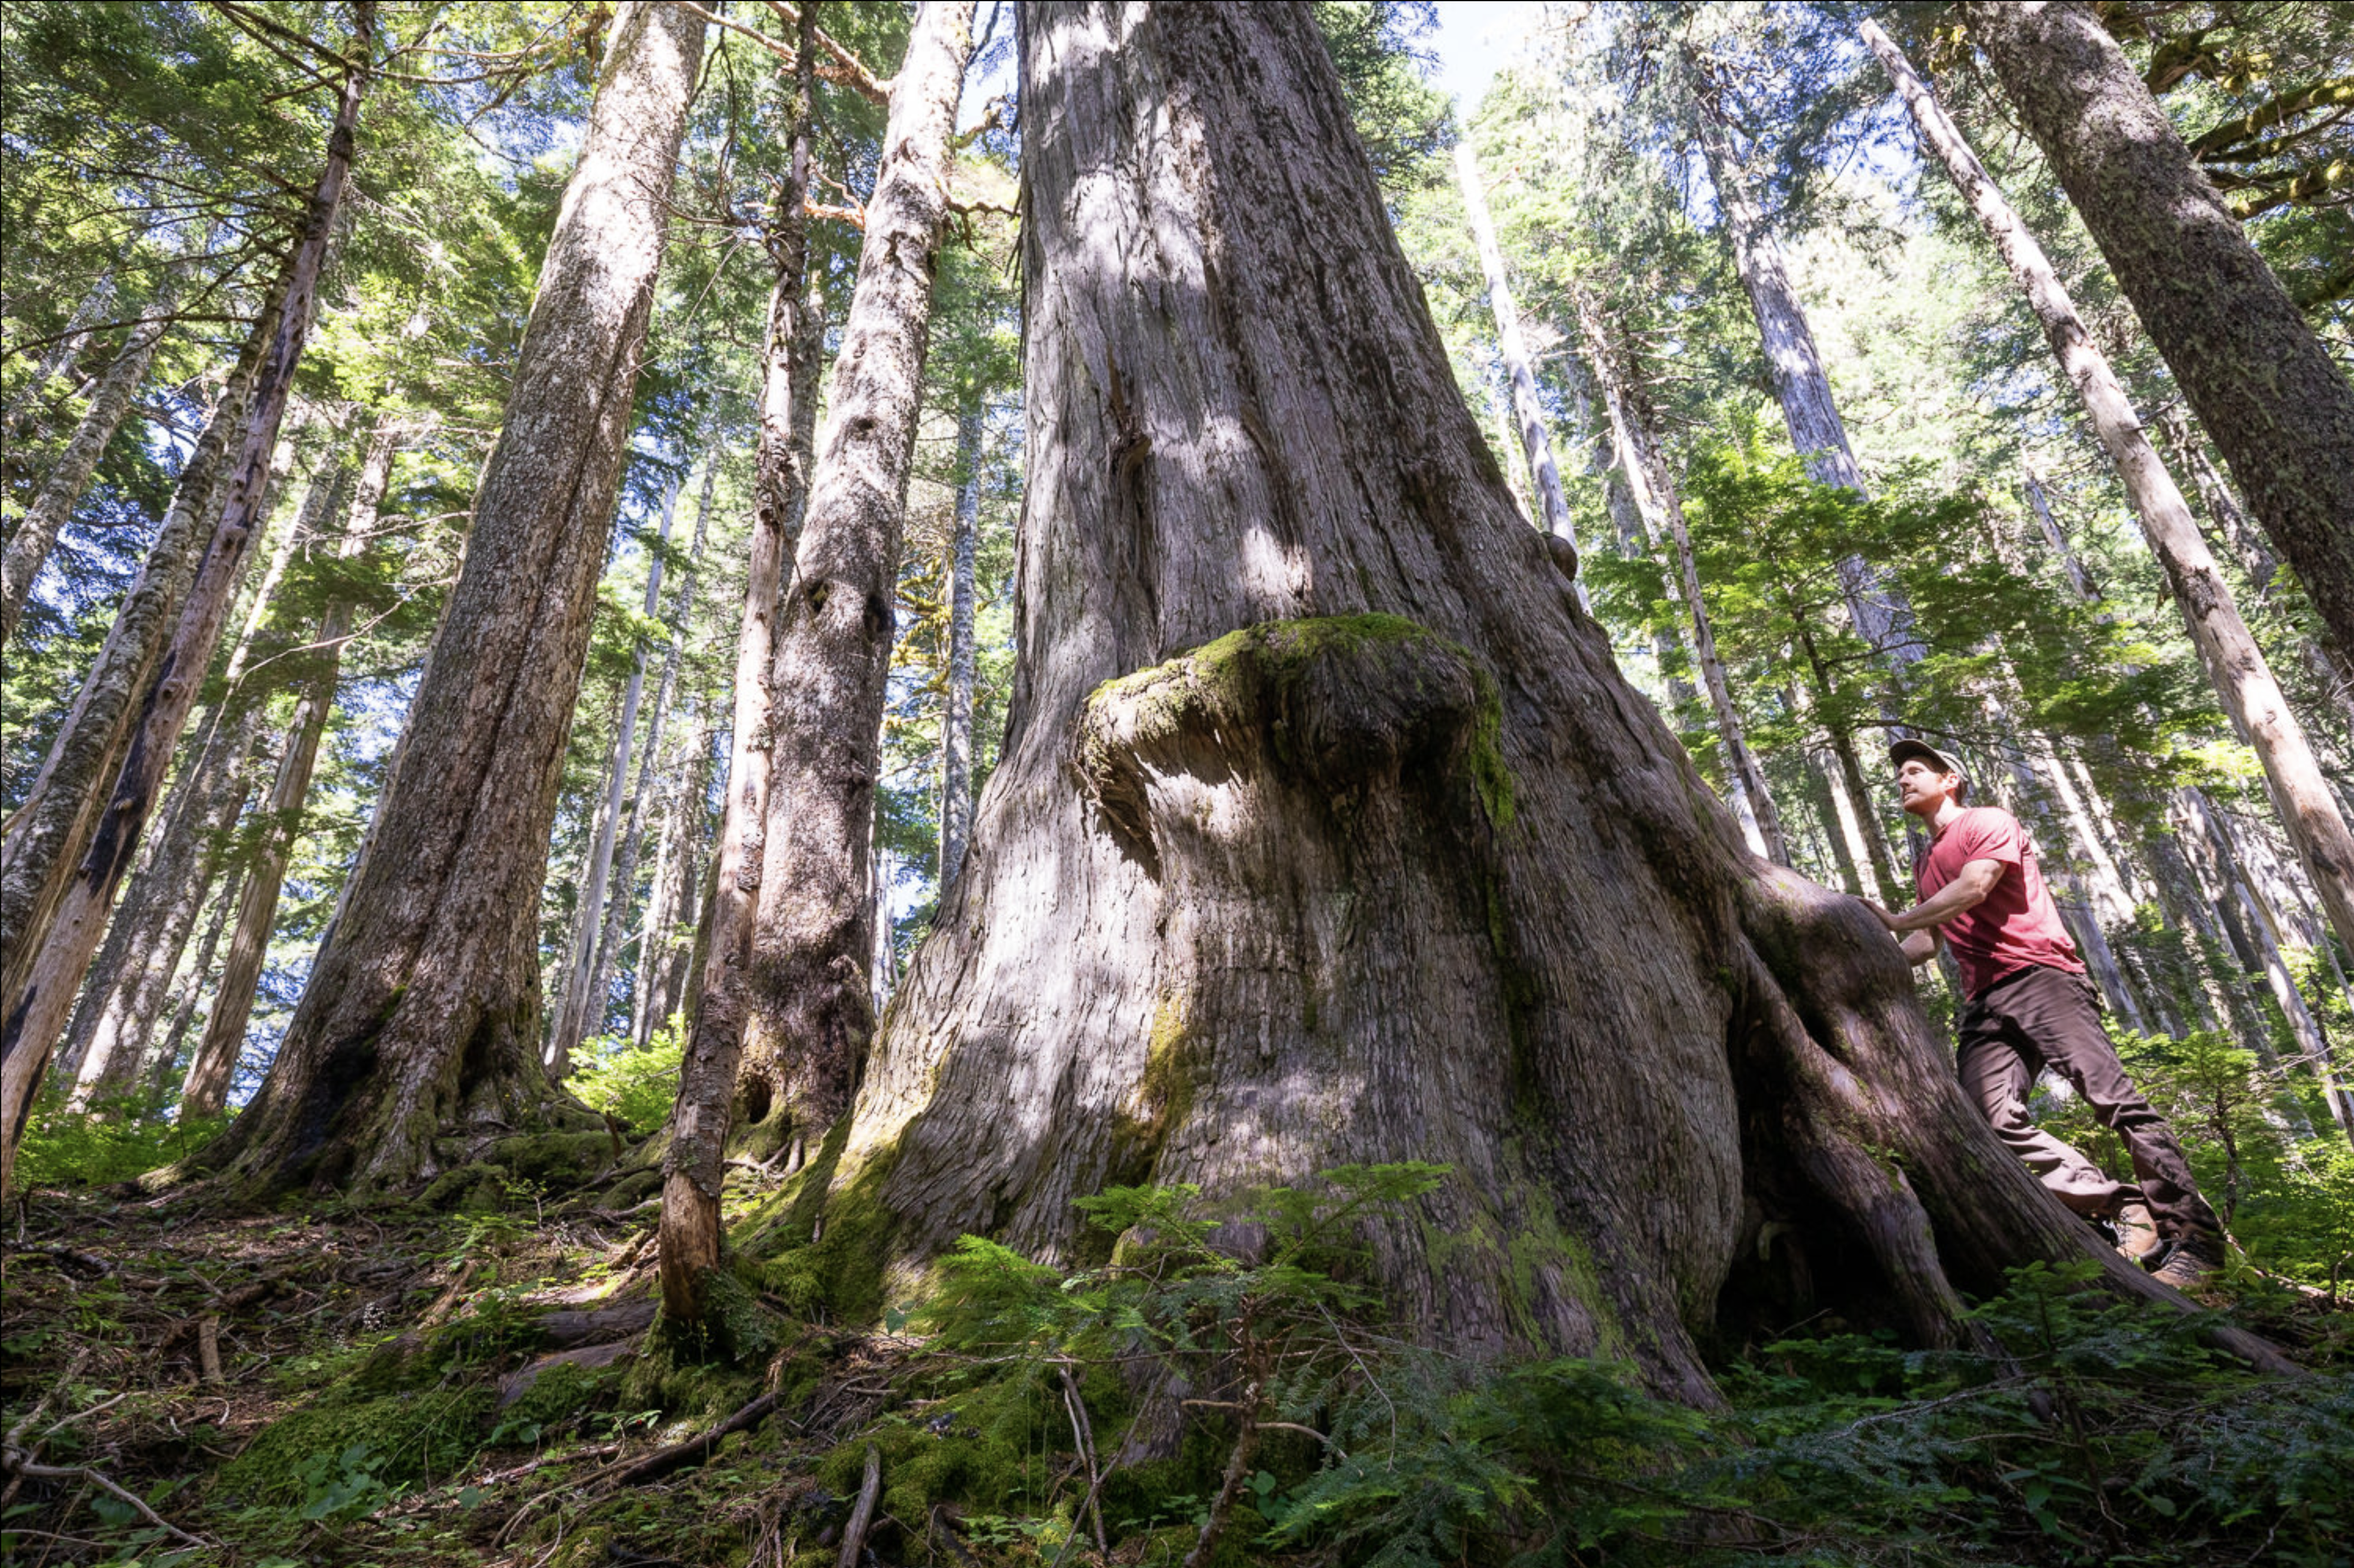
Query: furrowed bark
point(2275, 405)
point(1535, 442)
point(257, 908)
point(814, 930)
point(421, 1015)
point(711, 1097)
point(581, 1009)
point(956, 713)
point(2243, 681)
point(36, 1014)
point(1327, 831)
point(29, 545)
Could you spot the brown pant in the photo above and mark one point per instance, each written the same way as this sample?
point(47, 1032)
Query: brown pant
point(2040, 1017)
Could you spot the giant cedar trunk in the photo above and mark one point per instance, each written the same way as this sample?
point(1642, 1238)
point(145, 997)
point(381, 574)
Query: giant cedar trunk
point(2278, 408)
point(813, 932)
point(422, 1009)
point(1393, 865)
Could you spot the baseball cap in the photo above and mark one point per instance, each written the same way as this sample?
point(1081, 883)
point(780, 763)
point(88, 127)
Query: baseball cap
point(1903, 751)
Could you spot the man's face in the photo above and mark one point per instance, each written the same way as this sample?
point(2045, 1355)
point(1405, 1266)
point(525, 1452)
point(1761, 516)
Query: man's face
point(1922, 787)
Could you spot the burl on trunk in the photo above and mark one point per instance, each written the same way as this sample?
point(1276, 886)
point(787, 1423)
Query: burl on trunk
point(1327, 830)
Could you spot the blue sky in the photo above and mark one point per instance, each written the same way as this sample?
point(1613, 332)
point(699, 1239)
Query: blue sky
point(1475, 39)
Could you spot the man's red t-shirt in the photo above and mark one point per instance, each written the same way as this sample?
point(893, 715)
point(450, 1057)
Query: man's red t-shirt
point(2017, 925)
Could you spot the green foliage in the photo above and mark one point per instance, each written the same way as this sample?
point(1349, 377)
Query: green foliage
point(610, 1074)
point(2090, 1429)
point(342, 1454)
point(112, 1141)
point(2260, 1142)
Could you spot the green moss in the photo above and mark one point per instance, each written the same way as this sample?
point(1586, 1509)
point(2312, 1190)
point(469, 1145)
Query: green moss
point(691, 1387)
point(479, 1188)
point(736, 1327)
point(1163, 1096)
point(977, 1449)
point(419, 1438)
point(1246, 679)
point(831, 1251)
point(559, 1161)
point(562, 1393)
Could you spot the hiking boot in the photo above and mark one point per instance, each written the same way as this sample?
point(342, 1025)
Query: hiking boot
point(2191, 1262)
point(2138, 1236)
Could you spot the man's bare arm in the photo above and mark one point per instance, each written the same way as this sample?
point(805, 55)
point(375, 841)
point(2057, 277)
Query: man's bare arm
point(1919, 946)
point(1965, 893)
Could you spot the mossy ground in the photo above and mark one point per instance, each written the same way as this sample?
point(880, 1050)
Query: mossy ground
point(349, 1429)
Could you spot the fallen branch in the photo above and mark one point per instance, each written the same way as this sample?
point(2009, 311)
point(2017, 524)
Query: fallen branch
point(693, 1451)
point(853, 1535)
point(17, 1463)
point(91, 1261)
point(1083, 1432)
point(443, 1303)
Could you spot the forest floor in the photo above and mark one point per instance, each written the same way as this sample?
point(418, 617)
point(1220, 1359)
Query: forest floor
point(185, 1383)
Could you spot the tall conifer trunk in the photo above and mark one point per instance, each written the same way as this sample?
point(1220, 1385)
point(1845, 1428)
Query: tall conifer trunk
point(422, 1012)
point(625, 879)
point(290, 789)
point(580, 1010)
point(956, 713)
point(714, 1093)
point(29, 545)
point(1803, 388)
point(1327, 830)
point(47, 832)
point(813, 932)
point(2277, 406)
point(122, 1000)
point(1536, 443)
point(1642, 471)
point(33, 1012)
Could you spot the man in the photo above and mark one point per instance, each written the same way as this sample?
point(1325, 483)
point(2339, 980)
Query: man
point(2028, 1006)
